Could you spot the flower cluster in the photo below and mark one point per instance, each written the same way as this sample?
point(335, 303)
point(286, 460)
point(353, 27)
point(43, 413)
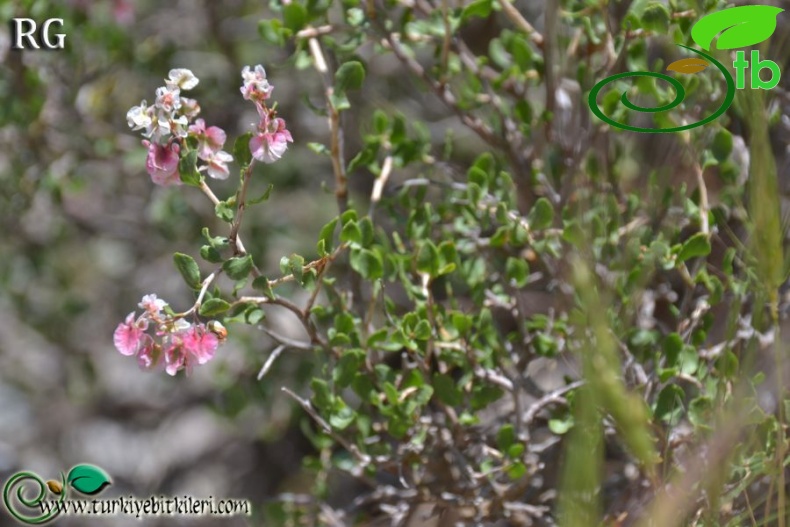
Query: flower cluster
point(271, 138)
point(166, 124)
point(175, 344)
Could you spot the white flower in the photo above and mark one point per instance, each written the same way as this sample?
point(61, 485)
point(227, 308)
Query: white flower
point(168, 98)
point(178, 126)
point(182, 78)
point(217, 164)
point(139, 117)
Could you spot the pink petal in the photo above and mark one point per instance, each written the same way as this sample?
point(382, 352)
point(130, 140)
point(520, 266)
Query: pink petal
point(150, 355)
point(128, 337)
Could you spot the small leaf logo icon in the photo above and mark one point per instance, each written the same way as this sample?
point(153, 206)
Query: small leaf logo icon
point(739, 26)
point(88, 479)
point(55, 486)
point(689, 65)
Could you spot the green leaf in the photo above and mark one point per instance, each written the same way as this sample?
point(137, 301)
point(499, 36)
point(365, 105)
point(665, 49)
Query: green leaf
point(263, 197)
point(365, 156)
point(367, 263)
point(327, 236)
point(347, 367)
point(294, 16)
point(423, 330)
point(351, 233)
point(188, 268)
point(261, 283)
point(88, 479)
point(697, 245)
point(478, 176)
point(187, 169)
point(339, 101)
point(669, 403)
point(478, 8)
point(517, 470)
point(461, 322)
point(428, 258)
point(561, 426)
point(722, 145)
point(517, 270)
point(319, 148)
point(271, 32)
point(446, 390)
point(350, 76)
point(213, 307)
point(238, 268)
point(729, 258)
point(740, 26)
point(522, 53)
point(342, 418)
point(296, 266)
point(542, 214)
point(241, 149)
point(366, 228)
point(505, 437)
point(210, 254)
point(655, 17)
point(253, 315)
point(673, 344)
point(224, 211)
point(322, 397)
point(728, 364)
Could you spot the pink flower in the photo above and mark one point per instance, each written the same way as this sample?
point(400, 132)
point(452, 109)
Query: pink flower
point(256, 87)
point(271, 142)
point(200, 343)
point(123, 12)
point(152, 304)
point(210, 140)
point(150, 354)
point(129, 335)
point(162, 163)
point(174, 358)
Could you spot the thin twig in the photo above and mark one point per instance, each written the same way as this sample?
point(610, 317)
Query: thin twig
point(286, 341)
point(270, 361)
point(557, 396)
point(203, 288)
point(363, 459)
point(234, 238)
point(520, 22)
point(335, 128)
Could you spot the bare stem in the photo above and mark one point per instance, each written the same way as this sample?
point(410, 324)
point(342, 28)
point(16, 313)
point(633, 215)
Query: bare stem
point(335, 127)
point(363, 459)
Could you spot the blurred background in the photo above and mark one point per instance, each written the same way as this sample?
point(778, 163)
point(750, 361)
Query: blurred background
point(85, 234)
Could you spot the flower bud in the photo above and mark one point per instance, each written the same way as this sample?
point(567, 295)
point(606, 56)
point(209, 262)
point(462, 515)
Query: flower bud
point(218, 329)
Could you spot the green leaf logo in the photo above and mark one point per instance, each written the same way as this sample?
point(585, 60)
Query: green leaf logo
point(739, 27)
point(88, 479)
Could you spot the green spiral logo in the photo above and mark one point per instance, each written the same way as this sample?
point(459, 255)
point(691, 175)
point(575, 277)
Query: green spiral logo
point(85, 479)
point(18, 481)
point(732, 28)
point(680, 95)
